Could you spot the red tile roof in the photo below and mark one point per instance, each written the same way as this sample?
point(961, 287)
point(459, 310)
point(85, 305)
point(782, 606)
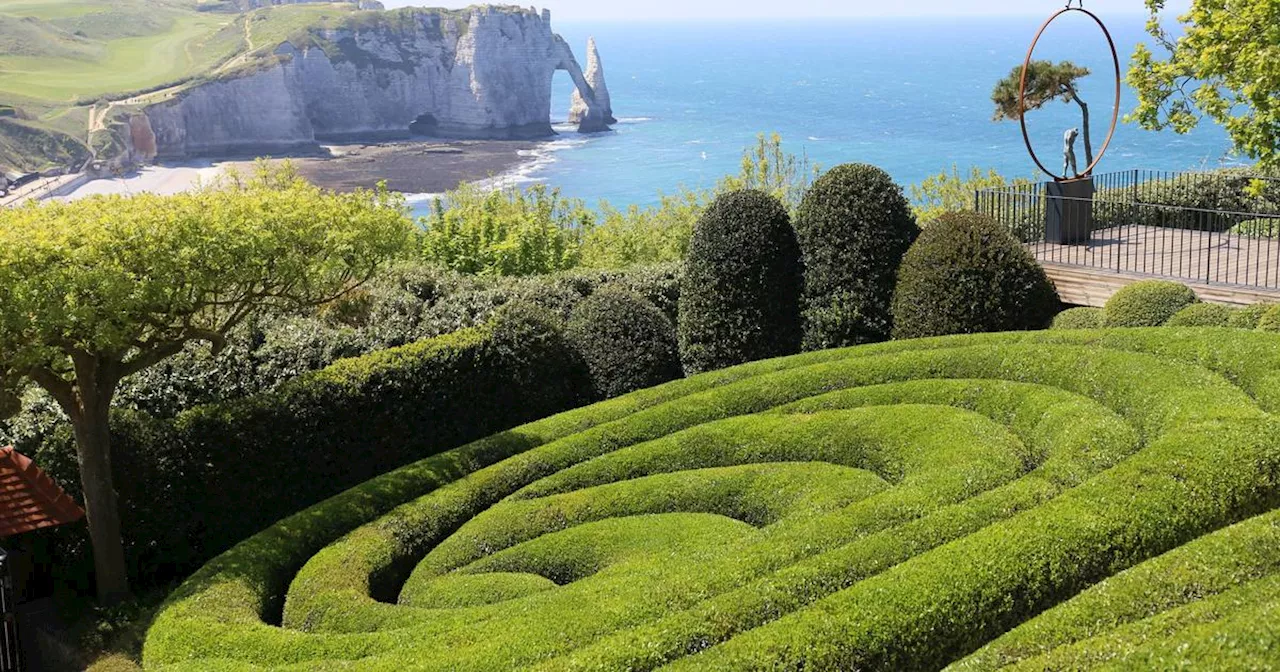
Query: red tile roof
point(29, 499)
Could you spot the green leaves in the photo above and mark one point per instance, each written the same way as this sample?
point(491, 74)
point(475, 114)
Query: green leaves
point(1046, 82)
point(119, 278)
point(1225, 66)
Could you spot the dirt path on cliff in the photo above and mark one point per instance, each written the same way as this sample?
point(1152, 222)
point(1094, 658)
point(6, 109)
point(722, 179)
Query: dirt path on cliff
point(98, 116)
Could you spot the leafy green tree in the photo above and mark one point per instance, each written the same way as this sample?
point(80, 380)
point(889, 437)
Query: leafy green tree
point(768, 167)
point(1046, 82)
point(953, 191)
point(643, 236)
point(510, 231)
point(1225, 65)
point(94, 291)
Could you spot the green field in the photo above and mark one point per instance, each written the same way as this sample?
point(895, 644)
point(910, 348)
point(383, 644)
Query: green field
point(1049, 500)
point(61, 58)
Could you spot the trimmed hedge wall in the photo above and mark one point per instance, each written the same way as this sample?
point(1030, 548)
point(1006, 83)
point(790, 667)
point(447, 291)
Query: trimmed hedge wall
point(193, 486)
point(965, 275)
point(854, 226)
point(740, 294)
point(626, 342)
point(896, 506)
point(1149, 303)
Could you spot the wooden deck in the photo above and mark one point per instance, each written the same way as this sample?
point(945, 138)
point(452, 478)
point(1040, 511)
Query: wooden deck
point(1221, 268)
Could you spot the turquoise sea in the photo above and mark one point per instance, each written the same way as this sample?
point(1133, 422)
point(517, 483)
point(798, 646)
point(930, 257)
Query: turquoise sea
point(909, 95)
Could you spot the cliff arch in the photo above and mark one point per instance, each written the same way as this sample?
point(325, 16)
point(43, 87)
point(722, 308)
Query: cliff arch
point(596, 118)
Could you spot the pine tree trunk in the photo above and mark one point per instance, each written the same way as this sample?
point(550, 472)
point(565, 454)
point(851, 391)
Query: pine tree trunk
point(1088, 142)
point(93, 447)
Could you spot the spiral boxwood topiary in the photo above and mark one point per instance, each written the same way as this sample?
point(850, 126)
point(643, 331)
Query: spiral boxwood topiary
point(854, 226)
point(626, 342)
point(1080, 318)
point(1047, 500)
point(1149, 303)
point(740, 294)
point(967, 275)
point(1202, 315)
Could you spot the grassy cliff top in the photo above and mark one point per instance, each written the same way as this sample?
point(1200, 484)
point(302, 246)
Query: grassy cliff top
point(66, 66)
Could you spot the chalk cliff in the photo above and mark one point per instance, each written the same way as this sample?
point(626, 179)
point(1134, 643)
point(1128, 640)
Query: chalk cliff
point(484, 72)
point(579, 108)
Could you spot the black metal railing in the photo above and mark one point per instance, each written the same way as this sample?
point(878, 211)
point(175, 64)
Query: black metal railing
point(1201, 227)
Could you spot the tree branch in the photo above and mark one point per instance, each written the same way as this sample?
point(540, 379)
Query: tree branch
point(58, 387)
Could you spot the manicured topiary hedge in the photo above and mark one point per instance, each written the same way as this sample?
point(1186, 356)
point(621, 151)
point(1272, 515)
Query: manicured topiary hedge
point(626, 342)
point(965, 275)
point(854, 226)
point(1270, 319)
point(740, 292)
point(195, 485)
point(1202, 315)
point(1149, 303)
point(896, 506)
point(1080, 318)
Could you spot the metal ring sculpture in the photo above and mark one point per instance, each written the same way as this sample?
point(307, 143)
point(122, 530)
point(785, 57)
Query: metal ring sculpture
point(1022, 94)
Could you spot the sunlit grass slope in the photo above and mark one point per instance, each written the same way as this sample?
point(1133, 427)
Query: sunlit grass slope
point(1066, 499)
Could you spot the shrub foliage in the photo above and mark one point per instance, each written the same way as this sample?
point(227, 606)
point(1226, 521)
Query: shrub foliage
point(1149, 303)
point(185, 482)
point(966, 274)
point(906, 505)
point(1202, 315)
point(740, 294)
point(1080, 318)
point(625, 341)
point(854, 226)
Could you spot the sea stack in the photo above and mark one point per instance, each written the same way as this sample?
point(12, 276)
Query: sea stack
point(594, 74)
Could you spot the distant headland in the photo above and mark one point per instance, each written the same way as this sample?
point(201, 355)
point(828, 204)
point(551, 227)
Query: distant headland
point(292, 76)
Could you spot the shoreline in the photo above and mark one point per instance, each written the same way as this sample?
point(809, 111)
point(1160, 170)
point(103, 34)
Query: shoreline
point(418, 168)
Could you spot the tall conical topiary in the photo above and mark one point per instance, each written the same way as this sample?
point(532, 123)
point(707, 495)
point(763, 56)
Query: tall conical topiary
point(967, 275)
point(740, 294)
point(854, 226)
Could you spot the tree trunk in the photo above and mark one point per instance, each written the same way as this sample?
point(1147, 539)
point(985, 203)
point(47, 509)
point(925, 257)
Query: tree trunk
point(1088, 143)
point(93, 447)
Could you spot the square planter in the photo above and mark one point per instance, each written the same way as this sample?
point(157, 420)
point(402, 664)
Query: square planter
point(1069, 211)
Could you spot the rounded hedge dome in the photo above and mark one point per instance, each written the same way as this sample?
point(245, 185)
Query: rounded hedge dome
point(1080, 318)
point(854, 226)
point(1149, 303)
point(1202, 315)
point(740, 293)
point(1270, 320)
point(966, 275)
point(628, 344)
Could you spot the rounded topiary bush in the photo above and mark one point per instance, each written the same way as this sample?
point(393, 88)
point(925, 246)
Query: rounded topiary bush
point(1249, 316)
point(964, 275)
point(740, 293)
point(1201, 315)
point(1149, 303)
point(628, 344)
point(1080, 318)
point(1270, 320)
point(854, 226)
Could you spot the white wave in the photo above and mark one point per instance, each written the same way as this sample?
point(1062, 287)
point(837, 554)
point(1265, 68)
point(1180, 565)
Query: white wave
point(634, 120)
point(814, 138)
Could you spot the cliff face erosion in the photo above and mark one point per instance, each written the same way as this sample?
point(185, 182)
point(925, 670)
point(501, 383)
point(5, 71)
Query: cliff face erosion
point(482, 73)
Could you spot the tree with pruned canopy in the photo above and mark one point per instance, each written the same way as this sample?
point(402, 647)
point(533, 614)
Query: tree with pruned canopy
point(1046, 82)
point(96, 290)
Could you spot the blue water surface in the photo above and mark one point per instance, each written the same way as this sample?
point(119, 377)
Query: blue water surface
point(909, 95)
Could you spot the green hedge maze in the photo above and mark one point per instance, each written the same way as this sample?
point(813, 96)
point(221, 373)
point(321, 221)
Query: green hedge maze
point(1061, 499)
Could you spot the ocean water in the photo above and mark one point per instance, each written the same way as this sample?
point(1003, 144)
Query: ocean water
point(909, 95)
